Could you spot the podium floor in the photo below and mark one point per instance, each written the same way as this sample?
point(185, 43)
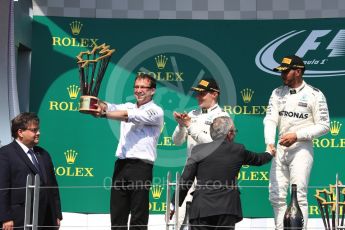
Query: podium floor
point(77, 221)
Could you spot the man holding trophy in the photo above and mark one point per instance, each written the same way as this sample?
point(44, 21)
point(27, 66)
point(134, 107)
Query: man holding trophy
point(141, 124)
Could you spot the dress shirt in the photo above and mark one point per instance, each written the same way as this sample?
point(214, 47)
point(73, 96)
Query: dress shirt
point(139, 135)
point(26, 150)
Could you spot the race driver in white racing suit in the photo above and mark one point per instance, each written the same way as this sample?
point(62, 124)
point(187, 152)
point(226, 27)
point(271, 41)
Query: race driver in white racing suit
point(194, 127)
point(300, 113)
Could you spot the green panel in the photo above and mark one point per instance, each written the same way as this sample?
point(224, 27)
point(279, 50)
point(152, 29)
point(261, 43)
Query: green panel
point(236, 53)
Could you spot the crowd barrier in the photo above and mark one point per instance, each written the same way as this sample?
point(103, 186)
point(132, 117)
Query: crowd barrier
point(331, 204)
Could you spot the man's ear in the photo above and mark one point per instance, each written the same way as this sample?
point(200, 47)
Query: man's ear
point(20, 133)
point(215, 94)
point(153, 91)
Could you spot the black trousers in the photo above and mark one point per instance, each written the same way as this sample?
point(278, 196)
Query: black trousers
point(45, 213)
point(217, 222)
point(132, 180)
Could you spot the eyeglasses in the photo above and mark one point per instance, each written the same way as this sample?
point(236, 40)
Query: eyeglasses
point(142, 87)
point(34, 130)
point(233, 131)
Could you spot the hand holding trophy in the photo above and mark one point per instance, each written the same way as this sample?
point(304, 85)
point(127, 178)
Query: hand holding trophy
point(92, 66)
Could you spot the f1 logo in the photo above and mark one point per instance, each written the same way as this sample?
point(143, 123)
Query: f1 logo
point(336, 46)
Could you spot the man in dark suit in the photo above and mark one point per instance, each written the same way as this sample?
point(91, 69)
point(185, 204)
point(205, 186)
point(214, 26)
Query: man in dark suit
point(17, 160)
point(216, 200)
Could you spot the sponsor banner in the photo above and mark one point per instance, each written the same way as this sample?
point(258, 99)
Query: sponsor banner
point(178, 53)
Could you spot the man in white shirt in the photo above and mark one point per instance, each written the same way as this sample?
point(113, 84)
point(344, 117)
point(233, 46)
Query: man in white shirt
point(141, 124)
point(194, 127)
point(300, 113)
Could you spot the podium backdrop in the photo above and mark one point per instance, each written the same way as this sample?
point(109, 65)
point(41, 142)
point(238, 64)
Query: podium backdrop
point(178, 53)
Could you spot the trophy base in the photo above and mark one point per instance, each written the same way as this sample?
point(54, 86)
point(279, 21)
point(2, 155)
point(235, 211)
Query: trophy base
point(88, 104)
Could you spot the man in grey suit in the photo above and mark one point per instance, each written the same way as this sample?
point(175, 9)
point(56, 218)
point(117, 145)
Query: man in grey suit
point(216, 200)
point(19, 159)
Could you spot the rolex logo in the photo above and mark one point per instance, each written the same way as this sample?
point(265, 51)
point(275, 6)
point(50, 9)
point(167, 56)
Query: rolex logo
point(76, 27)
point(156, 191)
point(73, 91)
point(161, 61)
point(70, 156)
point(247, 95)
point(335, 128)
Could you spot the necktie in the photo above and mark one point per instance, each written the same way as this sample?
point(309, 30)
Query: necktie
point(34, 160)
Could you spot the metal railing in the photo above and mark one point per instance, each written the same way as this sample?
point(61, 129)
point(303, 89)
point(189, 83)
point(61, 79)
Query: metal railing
point(332, 207)
point(339, 218)
point(32, 202)
point(168, 201)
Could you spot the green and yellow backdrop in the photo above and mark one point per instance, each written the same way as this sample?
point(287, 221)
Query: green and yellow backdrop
point(178, 53)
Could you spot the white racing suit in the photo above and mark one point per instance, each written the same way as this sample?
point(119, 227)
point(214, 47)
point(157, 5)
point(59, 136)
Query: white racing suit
point(302, 111)
point(197, 133)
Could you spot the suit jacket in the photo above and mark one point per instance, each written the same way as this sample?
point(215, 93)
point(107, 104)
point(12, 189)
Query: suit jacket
point(216, 166)
point(14, 168)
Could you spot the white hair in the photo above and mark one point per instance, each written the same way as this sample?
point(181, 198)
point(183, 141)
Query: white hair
point(220, 127)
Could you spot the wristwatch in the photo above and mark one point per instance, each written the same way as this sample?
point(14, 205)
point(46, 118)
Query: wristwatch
point(103, 114)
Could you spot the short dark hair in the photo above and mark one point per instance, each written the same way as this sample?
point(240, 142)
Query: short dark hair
point(22, 121)
point(149, 77)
